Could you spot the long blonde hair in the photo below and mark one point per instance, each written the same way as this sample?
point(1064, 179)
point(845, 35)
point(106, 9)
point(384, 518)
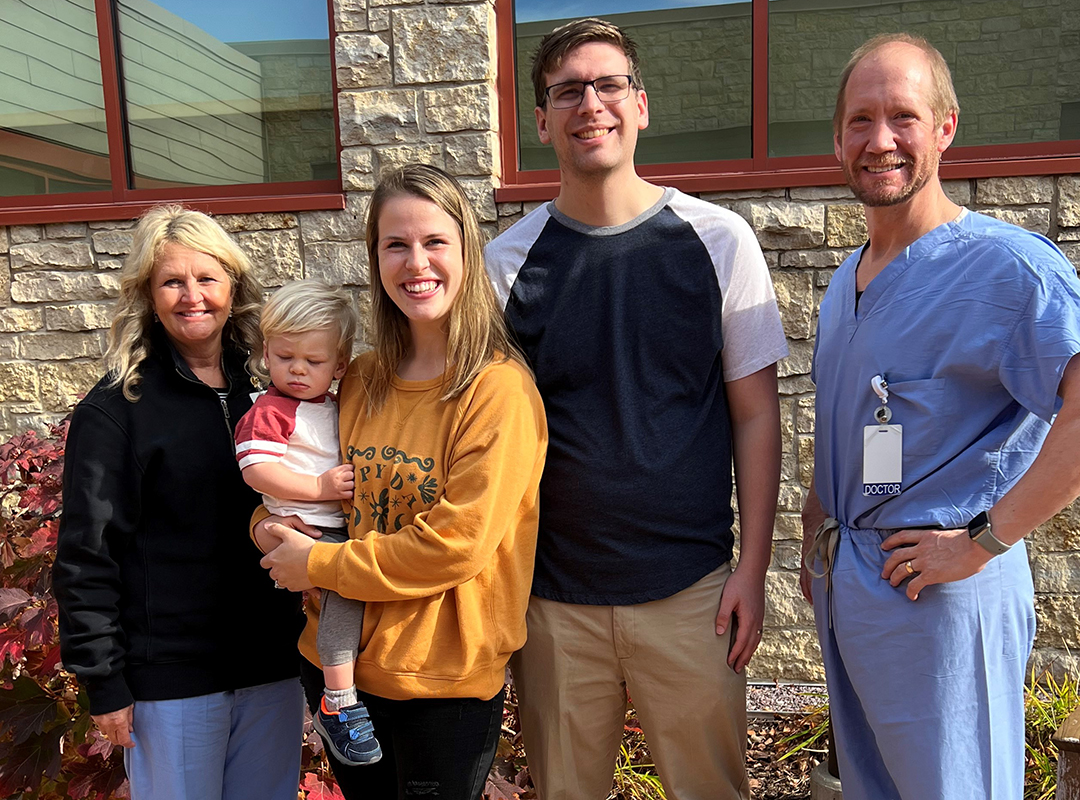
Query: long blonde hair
point(129, 334)
point(477, 333)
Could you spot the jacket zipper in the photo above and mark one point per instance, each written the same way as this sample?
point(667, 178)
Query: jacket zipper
point(225, 407)
point(222, 400)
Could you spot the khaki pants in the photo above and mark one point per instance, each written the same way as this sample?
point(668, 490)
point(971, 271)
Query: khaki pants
point(573, 674)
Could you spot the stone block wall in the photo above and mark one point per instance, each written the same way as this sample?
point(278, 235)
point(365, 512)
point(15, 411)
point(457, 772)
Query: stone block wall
point(402, 99)
point(805, 234)
point(57, 283)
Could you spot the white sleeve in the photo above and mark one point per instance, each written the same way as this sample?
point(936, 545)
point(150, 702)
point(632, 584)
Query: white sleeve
point(753, 334)
point(506, 254)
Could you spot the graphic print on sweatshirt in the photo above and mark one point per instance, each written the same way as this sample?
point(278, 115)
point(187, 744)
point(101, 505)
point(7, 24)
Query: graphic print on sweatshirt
point(392, 487)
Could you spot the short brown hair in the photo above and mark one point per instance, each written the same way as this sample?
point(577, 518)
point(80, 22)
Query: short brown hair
point(942, 98)
point(554, 47)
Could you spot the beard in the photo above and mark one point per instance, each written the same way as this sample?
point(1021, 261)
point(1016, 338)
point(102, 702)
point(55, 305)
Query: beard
point(922, 169)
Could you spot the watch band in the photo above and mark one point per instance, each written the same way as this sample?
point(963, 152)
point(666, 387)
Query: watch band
point(980, 531)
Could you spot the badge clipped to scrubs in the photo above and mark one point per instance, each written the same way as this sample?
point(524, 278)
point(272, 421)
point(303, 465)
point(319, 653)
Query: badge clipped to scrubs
point(883, 448)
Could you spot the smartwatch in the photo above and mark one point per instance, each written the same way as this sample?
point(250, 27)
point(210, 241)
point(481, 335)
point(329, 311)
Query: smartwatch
point(979, 531)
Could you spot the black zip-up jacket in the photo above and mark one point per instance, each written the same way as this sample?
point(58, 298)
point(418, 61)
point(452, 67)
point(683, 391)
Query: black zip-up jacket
point(160, 590)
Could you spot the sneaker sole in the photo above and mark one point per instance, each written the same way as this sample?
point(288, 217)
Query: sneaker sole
point(328, 744)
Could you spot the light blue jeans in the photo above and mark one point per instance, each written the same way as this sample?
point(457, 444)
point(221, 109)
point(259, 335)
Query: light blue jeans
point(224, 746)
point(927, 697)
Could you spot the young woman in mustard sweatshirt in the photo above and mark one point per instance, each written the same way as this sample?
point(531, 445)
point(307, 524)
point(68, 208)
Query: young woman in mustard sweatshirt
point(446, 433)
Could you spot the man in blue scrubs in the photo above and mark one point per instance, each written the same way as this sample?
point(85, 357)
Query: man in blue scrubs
point(948, 408)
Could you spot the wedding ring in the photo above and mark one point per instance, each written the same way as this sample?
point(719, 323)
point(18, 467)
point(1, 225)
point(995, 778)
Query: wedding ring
point(910, 571)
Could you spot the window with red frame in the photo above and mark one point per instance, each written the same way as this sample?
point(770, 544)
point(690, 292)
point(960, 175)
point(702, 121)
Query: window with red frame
point(131, 100)
point(750, 87)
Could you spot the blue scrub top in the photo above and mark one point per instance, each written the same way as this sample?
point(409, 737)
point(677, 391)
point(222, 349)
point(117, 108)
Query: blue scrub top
point(972, 326)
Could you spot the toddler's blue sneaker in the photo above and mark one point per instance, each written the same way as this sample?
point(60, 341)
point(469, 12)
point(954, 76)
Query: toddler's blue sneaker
point(348, 734)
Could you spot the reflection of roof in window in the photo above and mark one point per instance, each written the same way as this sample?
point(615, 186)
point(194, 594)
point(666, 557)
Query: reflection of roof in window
point(199, 110)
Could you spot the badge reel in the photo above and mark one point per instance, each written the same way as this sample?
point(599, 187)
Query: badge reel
point(883, 448)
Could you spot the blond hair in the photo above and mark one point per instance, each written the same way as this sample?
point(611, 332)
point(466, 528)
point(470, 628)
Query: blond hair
point(477, 334)
point(555, 46)
point(133, 320)
point(310, 305)
point(942, 97)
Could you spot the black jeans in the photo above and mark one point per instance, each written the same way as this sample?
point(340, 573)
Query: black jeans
point(432, 748)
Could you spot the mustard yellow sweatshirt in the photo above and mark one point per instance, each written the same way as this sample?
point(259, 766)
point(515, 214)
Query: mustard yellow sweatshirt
point(443, 531)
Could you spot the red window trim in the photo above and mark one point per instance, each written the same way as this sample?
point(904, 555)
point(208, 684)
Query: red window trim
point(120, 202)
point(759, 171)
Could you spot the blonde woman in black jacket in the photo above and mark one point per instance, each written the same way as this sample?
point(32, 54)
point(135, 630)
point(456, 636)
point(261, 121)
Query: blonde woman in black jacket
point(185, 648)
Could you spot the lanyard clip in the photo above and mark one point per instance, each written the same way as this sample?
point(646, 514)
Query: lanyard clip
point(880, 387)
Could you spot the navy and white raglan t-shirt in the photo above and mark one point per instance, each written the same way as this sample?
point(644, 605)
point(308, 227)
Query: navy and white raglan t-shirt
point(632, 332)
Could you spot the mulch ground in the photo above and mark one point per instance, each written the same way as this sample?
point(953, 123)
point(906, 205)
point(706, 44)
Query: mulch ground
point(782, 747)
point(773, 777)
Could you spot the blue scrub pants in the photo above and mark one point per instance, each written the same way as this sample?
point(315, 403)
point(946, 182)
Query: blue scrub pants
point(224, 746)
point(927, 697)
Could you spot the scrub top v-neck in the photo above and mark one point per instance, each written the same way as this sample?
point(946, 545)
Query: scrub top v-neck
point(972, 326)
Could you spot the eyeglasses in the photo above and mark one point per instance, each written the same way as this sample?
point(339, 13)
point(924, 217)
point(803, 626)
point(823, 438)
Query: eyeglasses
point(610, 89)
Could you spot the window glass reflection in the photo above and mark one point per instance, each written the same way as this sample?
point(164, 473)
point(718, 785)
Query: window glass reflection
point(1015, 65)
point(52, 119)
point(227, 91)
point(695, 59)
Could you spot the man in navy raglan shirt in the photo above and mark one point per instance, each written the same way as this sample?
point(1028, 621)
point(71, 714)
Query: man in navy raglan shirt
point(650, 321)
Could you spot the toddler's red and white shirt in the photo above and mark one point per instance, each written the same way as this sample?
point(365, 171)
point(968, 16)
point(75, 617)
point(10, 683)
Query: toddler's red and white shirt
point(303, 436)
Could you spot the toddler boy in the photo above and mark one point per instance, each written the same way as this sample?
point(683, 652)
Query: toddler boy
point(288, 449)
